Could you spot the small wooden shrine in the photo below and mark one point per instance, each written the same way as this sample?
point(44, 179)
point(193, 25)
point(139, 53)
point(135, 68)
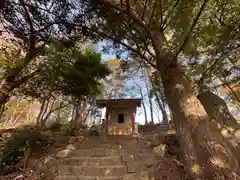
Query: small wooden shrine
point(119, 116)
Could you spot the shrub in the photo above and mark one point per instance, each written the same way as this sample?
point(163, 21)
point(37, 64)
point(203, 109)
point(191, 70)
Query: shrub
point(26, 139)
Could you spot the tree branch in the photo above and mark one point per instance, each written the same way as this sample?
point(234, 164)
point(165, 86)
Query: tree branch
point(144, 27)
point(136, 51)
point(52, 110)
point(209, 69)
point(152, 14)
point(28, 19)
point(164, 23)
point(191, 29)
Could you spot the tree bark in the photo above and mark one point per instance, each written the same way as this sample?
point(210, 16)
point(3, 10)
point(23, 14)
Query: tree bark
point(192, 124)
point(41, 120)
point(220, 116)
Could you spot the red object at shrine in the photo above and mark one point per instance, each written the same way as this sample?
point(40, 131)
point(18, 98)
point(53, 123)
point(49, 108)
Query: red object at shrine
point(133, 122)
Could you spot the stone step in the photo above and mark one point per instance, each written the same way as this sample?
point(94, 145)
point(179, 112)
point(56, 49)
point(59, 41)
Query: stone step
point(100, 152)
point(133, 176)
point(90, 144)
point(92, 161)
point(88, 178)
point(116, 170)
point(127, 145)
point(109, 140)
point(104, 152)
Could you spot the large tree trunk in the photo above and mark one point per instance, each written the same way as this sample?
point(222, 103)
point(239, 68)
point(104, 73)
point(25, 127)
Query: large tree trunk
point(220, 116)
point(192, 124)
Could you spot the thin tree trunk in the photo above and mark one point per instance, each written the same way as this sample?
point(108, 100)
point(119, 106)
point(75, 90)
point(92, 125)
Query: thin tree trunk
point(47, 113)
point(44, 112)
point(160, 104)
point(151, 109)
point(192, 124)
point(86, 115)
point(144, 72)
point(162, 109)
point(2, 108)
point(58, 119)
point(143, 104)
point(5, 89)
point(82, 107)
point(40, 112)
point(75, 115)
point(145, 113)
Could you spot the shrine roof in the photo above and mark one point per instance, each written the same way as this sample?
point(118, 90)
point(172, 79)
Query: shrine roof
point(122, 102)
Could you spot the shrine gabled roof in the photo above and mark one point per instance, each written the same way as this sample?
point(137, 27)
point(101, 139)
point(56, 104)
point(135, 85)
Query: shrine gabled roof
point(122, 102)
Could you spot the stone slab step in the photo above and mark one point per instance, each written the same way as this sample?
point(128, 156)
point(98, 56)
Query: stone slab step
point(92, 161)
point(103, 152)
point(116, 170)
point(108, 142)
point(88, 178)
point(90, 144)
point(133, 176)
point(111, 146)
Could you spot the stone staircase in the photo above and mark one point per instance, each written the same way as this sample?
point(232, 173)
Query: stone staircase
point(114, 158)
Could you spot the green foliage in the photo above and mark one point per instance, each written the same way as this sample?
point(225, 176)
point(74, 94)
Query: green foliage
point(67, 72)
point(25, 139)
